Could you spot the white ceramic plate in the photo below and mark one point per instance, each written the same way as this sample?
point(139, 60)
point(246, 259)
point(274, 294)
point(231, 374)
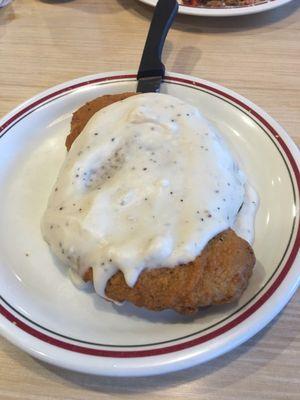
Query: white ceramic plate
point(263, 5)
point(44, 314)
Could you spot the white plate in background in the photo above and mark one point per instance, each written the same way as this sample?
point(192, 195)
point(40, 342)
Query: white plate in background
point(225, 11)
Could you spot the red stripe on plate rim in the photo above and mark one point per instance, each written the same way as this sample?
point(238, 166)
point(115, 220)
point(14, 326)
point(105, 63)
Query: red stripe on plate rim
point(211, 335)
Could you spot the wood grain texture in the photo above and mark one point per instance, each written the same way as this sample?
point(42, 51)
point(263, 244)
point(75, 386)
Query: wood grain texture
point(43, 43)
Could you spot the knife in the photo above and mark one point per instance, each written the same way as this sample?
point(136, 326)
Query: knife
point(152, 70)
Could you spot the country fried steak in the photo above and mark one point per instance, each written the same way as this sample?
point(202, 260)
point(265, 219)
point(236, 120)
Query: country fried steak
point(218, 275)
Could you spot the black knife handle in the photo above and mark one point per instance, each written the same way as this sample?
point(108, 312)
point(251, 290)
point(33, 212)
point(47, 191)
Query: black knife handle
point(164, 14)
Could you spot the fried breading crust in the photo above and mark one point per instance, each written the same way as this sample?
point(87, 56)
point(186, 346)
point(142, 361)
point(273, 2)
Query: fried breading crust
point(218, 275)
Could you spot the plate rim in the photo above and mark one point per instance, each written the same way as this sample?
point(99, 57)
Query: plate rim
point(225, 12)
point(191, 357)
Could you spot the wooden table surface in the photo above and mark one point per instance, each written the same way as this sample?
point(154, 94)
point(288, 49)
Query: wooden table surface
point(46, 42)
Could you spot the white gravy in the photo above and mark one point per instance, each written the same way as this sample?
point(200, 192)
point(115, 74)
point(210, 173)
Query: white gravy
point(146, 184)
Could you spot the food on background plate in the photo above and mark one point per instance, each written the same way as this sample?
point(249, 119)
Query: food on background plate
point(221, 3)
point(151, 206)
